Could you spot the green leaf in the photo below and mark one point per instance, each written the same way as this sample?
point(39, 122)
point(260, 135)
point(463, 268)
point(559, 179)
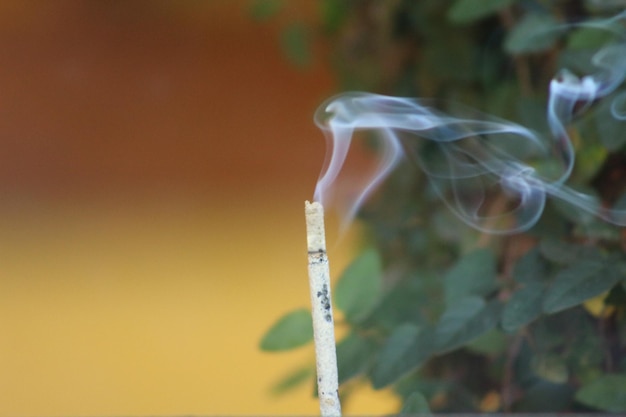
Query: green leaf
point(333, 14)
point(405, 302)
point(534, 33)
point(426, 385)
point(493, 342)
point(558, 251)
point(354, 356)
point(405, 350)
point(502, 97)
point(474, 274)
point(456, 316)
point(295, 42)
point(262, 10)
point(451, 58)
point(551, 367)
point(545, 397)
point(612, 131)
point(583, 360)
point(607, 393)
point(577, 61)
point(583, 280)
point(617, 296)
point(292, 380)
point(531, 268)
point(358, 290)
point(415, 403)
point(531, 111)
point(467, 11)
point(588, 38)
point(587, 196)
point(594, 34)
point(589, 161)
point(293, 330)
point(464, 321)
point(524, 306)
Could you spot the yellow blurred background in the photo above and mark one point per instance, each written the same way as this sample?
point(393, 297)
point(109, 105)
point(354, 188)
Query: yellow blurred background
point(155, 157)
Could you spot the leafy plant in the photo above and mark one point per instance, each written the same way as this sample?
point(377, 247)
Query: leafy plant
point(530, 322)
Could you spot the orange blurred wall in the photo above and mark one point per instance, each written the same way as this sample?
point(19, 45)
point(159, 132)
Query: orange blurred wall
point(154, 160)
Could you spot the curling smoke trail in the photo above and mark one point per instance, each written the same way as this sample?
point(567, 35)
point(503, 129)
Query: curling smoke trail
point(469, 158)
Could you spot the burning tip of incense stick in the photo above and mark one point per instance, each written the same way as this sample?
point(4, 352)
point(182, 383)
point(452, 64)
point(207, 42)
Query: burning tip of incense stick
point(316, 236)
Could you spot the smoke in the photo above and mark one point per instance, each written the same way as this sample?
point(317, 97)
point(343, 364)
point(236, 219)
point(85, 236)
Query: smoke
point(470, 157)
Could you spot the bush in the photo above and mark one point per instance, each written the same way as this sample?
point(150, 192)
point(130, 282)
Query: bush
point(533, 321)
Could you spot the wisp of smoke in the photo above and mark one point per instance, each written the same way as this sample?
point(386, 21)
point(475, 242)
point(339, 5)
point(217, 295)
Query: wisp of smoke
point(469, 157)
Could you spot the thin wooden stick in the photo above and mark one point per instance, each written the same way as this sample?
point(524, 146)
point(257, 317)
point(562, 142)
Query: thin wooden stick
point(322, 312)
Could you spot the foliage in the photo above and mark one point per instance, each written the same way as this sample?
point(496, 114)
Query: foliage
point(291, 331)
point(453, 320)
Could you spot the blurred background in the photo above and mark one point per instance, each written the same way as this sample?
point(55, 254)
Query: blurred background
point(155, 157)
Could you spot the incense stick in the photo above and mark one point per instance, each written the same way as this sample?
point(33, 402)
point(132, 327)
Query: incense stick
point(322, 312)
